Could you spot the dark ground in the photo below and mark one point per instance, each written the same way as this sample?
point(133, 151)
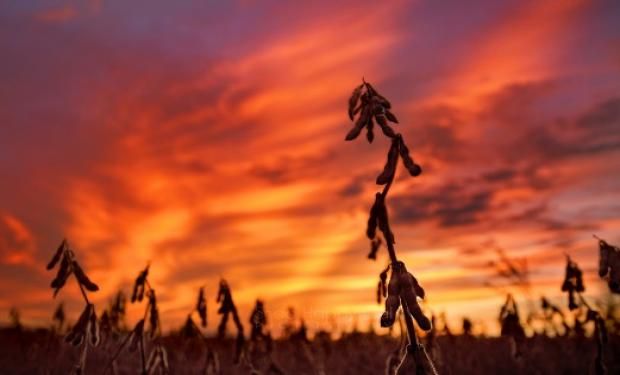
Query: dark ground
point(42, 352)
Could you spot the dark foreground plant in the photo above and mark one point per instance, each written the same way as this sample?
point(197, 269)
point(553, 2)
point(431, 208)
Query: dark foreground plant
point(59, 318)
point(190, 329)
point(573, 284)
point(402, 289)
point(85, 332)
point(258, 320)
point(227, 308)
point(260, 346)
point(549, 312)
point(147, 328)
point(510, 323)
point(115, 314)
point(609, 265)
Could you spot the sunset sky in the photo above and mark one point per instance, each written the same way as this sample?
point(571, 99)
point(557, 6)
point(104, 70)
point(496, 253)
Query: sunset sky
point(207, 137)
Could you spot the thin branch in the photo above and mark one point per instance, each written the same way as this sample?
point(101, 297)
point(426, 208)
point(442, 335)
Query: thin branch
point(84, 295)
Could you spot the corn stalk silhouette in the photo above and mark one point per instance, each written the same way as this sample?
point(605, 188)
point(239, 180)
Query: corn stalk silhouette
point(403, 289)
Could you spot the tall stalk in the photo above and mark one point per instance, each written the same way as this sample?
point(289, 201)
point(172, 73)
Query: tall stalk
point(85, 332)
point(403, 289)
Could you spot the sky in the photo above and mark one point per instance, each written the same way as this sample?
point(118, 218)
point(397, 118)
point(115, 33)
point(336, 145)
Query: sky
point(207, 138)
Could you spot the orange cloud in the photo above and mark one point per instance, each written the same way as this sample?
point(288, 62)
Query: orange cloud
point(17, 243)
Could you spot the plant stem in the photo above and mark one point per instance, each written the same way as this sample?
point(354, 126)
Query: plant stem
point(118, 352)
point(84, 350)
point(413, 339)
point(142, 355)
point(392, 253)
point(83, 293)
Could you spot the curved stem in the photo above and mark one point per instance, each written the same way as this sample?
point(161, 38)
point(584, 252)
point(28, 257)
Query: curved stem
point(118, 352)
point(386, 189)
point(142, 355)
point(84, 295)
point(413, 338)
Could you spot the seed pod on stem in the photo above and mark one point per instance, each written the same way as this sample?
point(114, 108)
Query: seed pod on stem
point(402, 289)
point(382, 220)
point(138, 287)
point(385, 128)
point(392, 301)
point(153, 313)
point(390, 165)
point(609, 265)
point(258, 319)
point(355, 96)
point(390, 116)
point(375, 96)
point(201, 307)
point(83, 279)
point(64, 271)
point(413, 168)
point(79, 331)
point(573, 282)
point(361, 122)
point(59, 252)
point(370, 135)
point(94, 336)
point(371, 229)
point(85, 332)
point(136, 336)
point(382, 285)
point(409, 292)
point(374, 247)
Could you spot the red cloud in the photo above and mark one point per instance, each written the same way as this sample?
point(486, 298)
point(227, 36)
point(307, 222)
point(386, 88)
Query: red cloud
point(17, 244)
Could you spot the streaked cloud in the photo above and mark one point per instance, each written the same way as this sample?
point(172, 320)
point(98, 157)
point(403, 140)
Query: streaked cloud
point(207, 139)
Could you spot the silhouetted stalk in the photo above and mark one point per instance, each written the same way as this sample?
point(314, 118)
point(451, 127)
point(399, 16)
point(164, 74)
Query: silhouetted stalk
point(573, 284)
point(413, 338)
point(142, 355)
point(158, 357)
point(84, 295)
point(86, 330)
point(403, 289)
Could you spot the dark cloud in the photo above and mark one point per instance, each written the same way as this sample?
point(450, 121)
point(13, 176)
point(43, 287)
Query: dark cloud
point(291, 168)
point(594, 132)
point(500, 175)
point(435, 133)
point(604, 116)
point(355, 186)
point(469, 202)
point(531, 214)
point(517, 102)
point(449, 204)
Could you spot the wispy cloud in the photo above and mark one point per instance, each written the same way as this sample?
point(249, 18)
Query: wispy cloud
point(57, 15)
point(216, 148)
